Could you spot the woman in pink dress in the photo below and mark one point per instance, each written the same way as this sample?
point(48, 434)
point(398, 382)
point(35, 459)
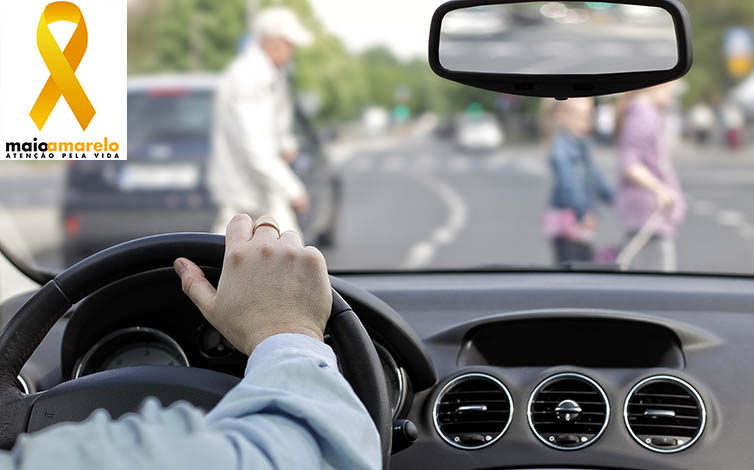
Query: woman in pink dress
point(648, 182)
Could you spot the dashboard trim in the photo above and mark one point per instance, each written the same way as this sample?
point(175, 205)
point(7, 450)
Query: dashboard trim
point(399, 373)
point(124, 331)
point(454, 381)
point(685, 385)
point(24, 384)
point(575, 375)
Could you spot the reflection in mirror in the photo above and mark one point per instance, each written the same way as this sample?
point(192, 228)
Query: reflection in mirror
point(542, 38)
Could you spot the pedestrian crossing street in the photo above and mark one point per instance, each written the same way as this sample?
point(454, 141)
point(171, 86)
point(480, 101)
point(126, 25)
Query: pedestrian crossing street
point(458, 163)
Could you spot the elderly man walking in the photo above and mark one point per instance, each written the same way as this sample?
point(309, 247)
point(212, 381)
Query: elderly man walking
point(253, 143)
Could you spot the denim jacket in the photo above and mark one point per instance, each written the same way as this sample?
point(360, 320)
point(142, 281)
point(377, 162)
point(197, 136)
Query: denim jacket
point(578, 183)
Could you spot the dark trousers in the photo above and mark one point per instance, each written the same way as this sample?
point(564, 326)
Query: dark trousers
point(570, 251)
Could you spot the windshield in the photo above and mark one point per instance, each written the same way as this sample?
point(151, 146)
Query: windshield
point(401, 169)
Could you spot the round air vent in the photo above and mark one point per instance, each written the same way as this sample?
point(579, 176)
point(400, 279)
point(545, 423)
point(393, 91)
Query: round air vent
point(664, 414)
point(568, 411)
point(472, 411)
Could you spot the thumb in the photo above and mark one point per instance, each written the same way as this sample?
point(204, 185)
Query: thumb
point(195, 285)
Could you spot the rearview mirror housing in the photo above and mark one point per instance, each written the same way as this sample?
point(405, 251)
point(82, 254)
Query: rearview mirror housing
point(486, 43)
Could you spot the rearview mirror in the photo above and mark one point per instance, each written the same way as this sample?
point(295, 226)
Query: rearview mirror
point(560, 49)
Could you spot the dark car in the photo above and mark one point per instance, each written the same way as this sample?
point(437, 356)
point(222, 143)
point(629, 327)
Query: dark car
point(162, 187)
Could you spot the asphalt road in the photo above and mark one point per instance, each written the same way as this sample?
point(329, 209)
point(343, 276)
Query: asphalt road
point(562, 49)
point(421, 203)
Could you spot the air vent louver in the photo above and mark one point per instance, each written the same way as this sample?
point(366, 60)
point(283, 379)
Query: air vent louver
point(472, 411)
point(664, 414)
point(568, 411)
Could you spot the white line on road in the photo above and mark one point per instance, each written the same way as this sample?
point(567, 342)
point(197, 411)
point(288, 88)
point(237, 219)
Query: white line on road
point(531, 167)
point(702, 207)
point(731, 218)
point(362, 165)
point(460, 164)
point(426, 162)
point(746, 231)
point(394, 164)
point(496, 162)
point(421, 253)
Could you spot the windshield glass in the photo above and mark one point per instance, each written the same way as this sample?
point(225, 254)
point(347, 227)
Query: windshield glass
point(386, 166)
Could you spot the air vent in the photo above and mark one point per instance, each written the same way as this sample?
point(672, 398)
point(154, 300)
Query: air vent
point(568, 411)
point(473, 411)
point(664, 414)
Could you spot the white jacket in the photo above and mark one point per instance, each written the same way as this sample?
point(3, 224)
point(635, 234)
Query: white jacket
point(252, 127)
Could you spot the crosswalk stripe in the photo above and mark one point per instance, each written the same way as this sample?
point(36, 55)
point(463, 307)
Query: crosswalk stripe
point(426, 163)
point(459, 164)
point(362, 165)
point(496, 162)
point(394, 164)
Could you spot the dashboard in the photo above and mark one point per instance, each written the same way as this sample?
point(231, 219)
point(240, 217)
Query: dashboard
point(496, 370)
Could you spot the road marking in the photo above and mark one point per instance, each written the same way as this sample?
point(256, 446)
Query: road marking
point(459, 164)
point(731, 218)
point(702, 207)
point(496, 162)
point(362, 165)
point(425, 163)
point(422, 253)
point(747, 232)
point(394, 164)
point(531, 167)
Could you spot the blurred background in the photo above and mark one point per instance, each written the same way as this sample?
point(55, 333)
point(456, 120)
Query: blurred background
point(405, 170)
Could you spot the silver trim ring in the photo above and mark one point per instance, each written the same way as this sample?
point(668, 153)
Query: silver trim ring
point(689, 388)
point(24, 385)
point(399, 372)
point(402, 391)
point(115, 334)
point(573, 375)
point(463, 378)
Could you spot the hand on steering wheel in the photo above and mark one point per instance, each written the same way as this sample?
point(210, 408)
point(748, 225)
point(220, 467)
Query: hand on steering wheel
point(291, 294)
point(75, 400)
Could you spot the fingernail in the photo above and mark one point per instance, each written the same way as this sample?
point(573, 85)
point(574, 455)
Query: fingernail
point(180, 266)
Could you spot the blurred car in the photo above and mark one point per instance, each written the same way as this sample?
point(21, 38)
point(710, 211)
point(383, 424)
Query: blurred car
point(161, 188)
point(375, 121)
point(478, 132)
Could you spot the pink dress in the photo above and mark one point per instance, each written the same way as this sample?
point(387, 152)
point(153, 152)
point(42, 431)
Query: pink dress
point(642, 140)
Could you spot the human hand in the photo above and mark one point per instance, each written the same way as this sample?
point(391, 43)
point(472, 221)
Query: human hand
point(665, 199)
point(301, 204)
point(269, 285)
point(289, 156)
point(589, 223)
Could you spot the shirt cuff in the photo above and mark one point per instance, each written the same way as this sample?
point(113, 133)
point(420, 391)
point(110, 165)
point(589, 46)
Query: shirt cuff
point(305, 346)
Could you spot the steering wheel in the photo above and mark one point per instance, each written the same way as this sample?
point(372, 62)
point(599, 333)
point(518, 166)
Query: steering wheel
point(122, 390)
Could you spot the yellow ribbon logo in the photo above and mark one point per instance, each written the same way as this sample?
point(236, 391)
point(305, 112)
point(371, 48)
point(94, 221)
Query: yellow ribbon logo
point(62, 66)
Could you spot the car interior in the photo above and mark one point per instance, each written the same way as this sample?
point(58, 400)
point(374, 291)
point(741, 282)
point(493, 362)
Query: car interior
point(550, 368)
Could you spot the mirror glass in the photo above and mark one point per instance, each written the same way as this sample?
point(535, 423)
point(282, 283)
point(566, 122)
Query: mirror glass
point(543, 38)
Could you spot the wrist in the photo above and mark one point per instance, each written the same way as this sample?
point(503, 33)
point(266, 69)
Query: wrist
point(262, 334)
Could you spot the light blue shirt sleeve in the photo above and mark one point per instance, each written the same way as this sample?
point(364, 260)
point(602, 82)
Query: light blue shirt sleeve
point(292, 410)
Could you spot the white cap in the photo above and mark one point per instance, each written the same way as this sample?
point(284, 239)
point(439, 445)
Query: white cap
point(279, 22)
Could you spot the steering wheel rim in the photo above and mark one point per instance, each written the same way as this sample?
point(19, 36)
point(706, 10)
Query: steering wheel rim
point(24, 332)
